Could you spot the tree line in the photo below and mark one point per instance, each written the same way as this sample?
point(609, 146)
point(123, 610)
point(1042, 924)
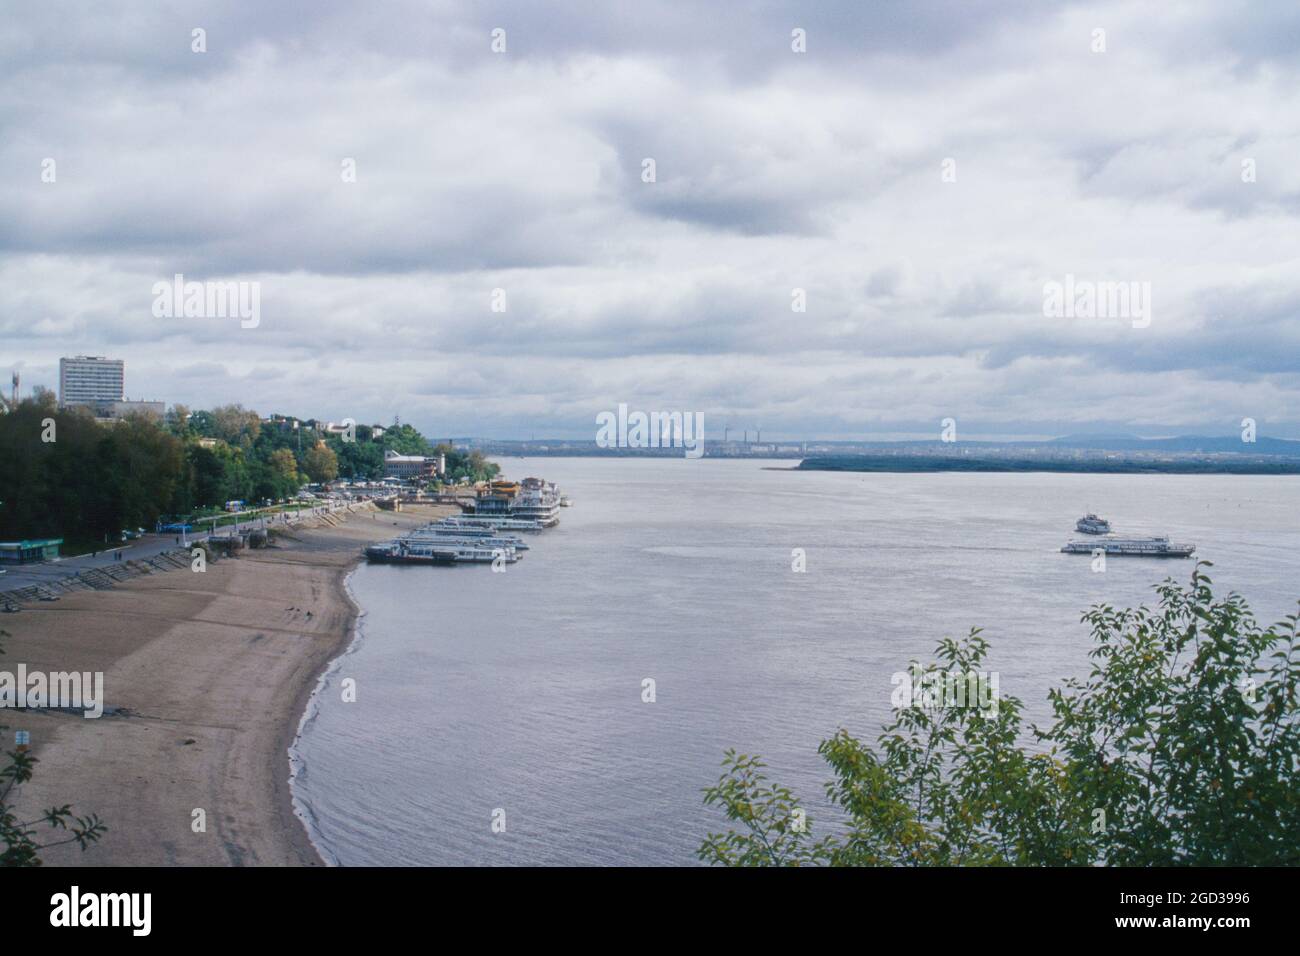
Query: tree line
point(64, 473)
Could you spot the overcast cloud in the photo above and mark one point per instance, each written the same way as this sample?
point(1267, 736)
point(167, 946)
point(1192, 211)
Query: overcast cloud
point(775, 170)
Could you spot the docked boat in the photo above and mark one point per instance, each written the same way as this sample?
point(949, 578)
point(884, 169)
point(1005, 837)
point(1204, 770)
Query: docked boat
point(1155, 547)
point(462, 530)
point(493, 523)
point(537, 501)
point(474, 537)
point(409, 551)
point(531, 500)
point(1091, 524)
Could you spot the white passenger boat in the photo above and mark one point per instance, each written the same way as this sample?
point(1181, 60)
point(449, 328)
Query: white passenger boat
point(1155, 547)
point(1091, 524)
point(408, 551)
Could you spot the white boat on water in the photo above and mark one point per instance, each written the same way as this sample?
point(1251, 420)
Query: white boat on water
point(1091, 524)
point(1155, 547)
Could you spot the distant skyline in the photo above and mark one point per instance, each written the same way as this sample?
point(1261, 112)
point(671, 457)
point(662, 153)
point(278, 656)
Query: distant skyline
point(715, 431)
point(1169, 159)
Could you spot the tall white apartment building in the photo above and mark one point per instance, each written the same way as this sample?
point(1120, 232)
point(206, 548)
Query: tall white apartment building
point(90, 380)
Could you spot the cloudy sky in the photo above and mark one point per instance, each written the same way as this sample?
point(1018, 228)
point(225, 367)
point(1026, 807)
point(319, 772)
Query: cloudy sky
point(775, 170)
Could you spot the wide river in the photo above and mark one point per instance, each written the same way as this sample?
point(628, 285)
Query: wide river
point(517, 697)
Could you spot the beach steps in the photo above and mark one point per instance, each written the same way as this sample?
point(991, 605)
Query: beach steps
point(94, 579)
point(34, 592)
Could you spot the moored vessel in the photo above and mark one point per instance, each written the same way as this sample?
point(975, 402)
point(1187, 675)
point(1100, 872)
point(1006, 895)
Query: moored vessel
point(475, 537)
point(498, 524)
point(409, 551)
point(1091, 524)
point(1154, 547)
point(532, 500)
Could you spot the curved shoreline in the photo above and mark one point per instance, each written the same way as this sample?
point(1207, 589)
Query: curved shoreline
point(307, 839)
point(299, 806)
point(209, 681)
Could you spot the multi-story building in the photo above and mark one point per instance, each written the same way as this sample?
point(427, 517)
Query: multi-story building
point(413, 466)
point(91, 380)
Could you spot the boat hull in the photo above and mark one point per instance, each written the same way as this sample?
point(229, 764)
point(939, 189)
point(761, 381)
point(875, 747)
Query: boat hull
point(391, 557)
point(1132, 551)
point(439, 556)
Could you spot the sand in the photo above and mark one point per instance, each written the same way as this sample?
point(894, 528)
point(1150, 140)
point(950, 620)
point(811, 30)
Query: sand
point(214, 671)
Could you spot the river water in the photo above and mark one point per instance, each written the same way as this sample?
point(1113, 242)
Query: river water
point(519, 697)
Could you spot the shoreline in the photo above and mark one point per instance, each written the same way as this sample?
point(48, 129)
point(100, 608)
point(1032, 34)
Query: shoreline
point(286, 804)
point(209, 680)
point(298, 807)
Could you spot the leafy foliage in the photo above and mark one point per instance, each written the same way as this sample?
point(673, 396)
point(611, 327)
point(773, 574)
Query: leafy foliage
point(92, 478)
point(320, 463)
point(97, 478)
point(1180, 747)
point(471, 465)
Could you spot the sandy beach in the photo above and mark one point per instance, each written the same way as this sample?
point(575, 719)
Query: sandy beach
point(206, 676)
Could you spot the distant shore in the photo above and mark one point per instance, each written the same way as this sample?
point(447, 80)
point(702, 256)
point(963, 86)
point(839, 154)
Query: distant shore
point(206, 678)
point(910, 464)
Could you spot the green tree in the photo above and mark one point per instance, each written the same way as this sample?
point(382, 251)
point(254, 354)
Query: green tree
point(284, 466)
point(177, 420)
point(1180, 747)
point(235, 424)
point(22, 840)
point(64, 473)
point(210, 482)
point(362, 458)
point(473, 465)
point(405, 440)
point(320, 463)
point(45, 399)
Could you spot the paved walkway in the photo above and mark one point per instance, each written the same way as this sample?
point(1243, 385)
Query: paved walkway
point(25, 575)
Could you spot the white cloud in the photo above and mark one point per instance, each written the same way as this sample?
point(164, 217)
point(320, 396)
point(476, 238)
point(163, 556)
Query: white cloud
point(775, 170)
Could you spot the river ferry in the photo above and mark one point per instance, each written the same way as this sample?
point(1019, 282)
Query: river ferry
point(1156, 547)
